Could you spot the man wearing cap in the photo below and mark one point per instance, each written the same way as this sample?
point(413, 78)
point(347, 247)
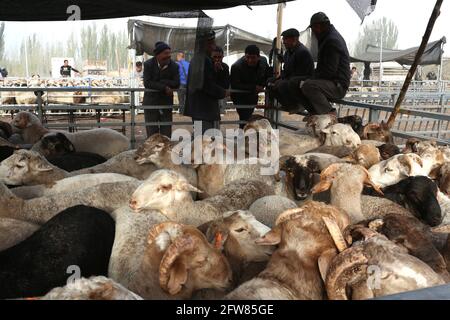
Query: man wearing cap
point(250, 73)
point(160, 74)
point(332, 75)
point(298, 66)
point(203, 89)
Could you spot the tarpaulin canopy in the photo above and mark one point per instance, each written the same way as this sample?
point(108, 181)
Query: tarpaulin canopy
point(145, 34)
point(60, 10)
point(432, 54)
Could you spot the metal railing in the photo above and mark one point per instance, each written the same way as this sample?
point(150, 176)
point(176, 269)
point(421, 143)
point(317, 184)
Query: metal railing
point(433, 122)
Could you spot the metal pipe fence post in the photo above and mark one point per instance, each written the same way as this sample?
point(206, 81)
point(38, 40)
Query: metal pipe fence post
point(132, 119)
point(39, 106)
point(441, 103)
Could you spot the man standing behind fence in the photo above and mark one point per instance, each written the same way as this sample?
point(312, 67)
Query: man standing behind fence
point(183, 66)
point(222, 72)
point(250, 73)
point(160, 74)
point(203, 92)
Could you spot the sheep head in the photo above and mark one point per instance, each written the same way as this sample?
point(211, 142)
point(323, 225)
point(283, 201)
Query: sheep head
point(378, 132)
point(161, 190)
point(55, 144)
point(316, 123)
point(25, 119)
point(388, 150)
point(153, 149)
point(299, 175)
point(395, 169)
point(23, 167)
point(340, 135)
point(375, 266)
point(235, 233)
point(343, 171)
point(188, 261)
point(354, 121)
point(366, 155)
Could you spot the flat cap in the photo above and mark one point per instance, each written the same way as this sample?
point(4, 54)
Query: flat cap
point(290, 33)
point(319, 17)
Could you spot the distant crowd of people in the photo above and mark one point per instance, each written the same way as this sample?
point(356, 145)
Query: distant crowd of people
point(299, 88)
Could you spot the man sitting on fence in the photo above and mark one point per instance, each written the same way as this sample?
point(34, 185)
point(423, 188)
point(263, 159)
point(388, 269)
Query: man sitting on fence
point(332, 75)
point(160, 74)
point(250, 73)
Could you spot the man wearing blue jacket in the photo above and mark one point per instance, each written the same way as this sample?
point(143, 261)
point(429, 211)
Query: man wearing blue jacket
point(183, 67)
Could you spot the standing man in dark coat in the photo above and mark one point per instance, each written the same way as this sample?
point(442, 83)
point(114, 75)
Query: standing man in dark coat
point(250, 73)
point(222, 71)
point(203, 90)
point(298, 66)
point(161, 74)
point(332, 75)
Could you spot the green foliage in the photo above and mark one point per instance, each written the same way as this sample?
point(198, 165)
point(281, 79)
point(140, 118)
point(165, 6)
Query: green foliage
point(371, 34)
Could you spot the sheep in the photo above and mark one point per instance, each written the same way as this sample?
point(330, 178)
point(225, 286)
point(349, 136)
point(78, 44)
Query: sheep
point(388, 150)
point(171, 262)
point(158, 150)
point(397, 168)
point(337, 151)
point(444, 178)
point(112, 142)
point(301, 171)
point(354, 121)
point(94, 288)
point(374, 267)
point(365, 155)
point(235, 234)
point(79, 236)
point(377, 132)
point(291, 143)
point(416, 237)
point(14, 231)
point(106, 196)
point(5, 130)
point(6, 152)
point(168, 192)
point(67, 185)
point(268, 208)
point(123, 163)
point(346, 182)
point(305, 248)
point(316, 123)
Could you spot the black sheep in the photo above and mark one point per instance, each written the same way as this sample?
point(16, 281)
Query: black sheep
point(417, 194)
point(76, 161)
point(79, 236)
point(6, 152)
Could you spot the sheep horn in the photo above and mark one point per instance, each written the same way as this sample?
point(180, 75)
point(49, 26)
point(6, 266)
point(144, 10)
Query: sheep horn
point(157, 229)
point(349, 264)
point(441, 229)
point(181, 245)
point(287, 215)
point(335, 233)
point(326, 177)
point(368, 181)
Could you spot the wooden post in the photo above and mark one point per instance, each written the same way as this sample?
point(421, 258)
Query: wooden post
point(279, 30)
point(412, 70)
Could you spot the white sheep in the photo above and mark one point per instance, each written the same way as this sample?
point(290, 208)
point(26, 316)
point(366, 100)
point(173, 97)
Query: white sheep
point(268, 208)
point(14, 231)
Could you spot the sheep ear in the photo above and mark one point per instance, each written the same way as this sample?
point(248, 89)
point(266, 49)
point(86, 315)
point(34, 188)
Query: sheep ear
point(325, 261)
point(325, 130)
point(273, 237)
point(435, 173)
point(43, 167)
point(322, 186)
point(184, 186)
point(178, 277)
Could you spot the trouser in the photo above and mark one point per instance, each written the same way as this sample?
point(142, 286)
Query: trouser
point(244, 115)
point(160, 115)
point(182, 98)
point(206, 125)
point(287, 92)
point(319, 93)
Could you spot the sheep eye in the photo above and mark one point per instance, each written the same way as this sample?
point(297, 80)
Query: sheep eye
point(388, 170)
point(334, 132)
point(240, 230)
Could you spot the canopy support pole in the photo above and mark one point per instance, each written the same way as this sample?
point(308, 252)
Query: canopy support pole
point(434, 15)
point(228, 44)
point(440, 84)
point(279, 30)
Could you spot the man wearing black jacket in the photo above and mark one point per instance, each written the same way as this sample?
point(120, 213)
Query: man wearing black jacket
point(222, 71)
point(298, 66)
point(332, 74)
point(203, 90)
point(250, 73)
point(161, 74)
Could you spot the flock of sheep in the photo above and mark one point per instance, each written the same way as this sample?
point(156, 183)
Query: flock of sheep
point(349, 215)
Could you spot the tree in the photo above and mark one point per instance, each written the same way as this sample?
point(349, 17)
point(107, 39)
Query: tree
point(371, 35)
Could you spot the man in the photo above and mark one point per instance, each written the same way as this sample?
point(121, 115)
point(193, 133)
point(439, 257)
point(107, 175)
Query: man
point(161, 74)
point(183, 67)
point(66, 69)
point(332, 74)
point(222, 73)
point(203, 90)
point(139, 70)
point(354, 76)
point(298, 66)
point(250, 73)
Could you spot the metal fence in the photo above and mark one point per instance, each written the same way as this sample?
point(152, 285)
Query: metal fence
point(427, 115)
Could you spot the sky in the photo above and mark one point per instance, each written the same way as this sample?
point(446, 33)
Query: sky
point(410, 16)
